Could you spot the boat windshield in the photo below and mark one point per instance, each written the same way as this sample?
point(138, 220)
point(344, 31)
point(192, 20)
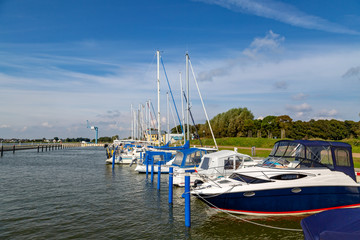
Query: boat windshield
point(247, 179)
point(296, 155)
point(194, 158)
point(178, 158)
point(205, 163)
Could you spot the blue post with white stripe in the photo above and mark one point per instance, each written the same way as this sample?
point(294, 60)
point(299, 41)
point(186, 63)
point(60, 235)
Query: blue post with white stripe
point(171, 171)
point(187, 202)
point(159, 176)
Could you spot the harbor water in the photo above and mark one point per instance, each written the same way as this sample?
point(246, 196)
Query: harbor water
point(71, 194)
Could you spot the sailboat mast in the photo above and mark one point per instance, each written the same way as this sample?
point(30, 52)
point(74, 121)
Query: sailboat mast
point(182, 107)
point(158, 91)
point(149, 112)
point(168, 118)
point(188, 96)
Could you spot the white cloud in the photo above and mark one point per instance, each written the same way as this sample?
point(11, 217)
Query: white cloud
point(281, 12)
point(299, 96)
point(327, 114)
point(299, 108)
point(47, 125)
point(270, 43)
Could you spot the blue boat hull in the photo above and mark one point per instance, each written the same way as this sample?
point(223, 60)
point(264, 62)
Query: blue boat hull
point(284, 201)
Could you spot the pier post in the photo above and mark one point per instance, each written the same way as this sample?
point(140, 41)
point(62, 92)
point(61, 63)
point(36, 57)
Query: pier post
point(147, 165)
point(42, 148)
point(113, 158)
point(152, 170)
point(171, 170)
point(2, 150)
point(159, 176)
point(38, 148)
point(14, 148)
point(187, 202)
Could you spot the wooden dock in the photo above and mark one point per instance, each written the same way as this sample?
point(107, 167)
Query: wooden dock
point(39, 147)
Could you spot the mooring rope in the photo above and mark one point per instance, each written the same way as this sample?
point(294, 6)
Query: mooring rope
point(245, 220)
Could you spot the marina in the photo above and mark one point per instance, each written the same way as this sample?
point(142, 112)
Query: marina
point(71, 193)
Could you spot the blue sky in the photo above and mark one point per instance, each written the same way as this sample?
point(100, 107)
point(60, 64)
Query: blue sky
point(64, 62)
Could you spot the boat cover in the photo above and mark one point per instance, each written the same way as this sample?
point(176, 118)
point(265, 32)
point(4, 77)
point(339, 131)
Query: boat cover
point(309, 144)
point(166, 147)
point(332, 225)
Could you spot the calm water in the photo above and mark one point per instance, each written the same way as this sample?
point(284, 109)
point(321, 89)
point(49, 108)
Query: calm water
point(72, 194)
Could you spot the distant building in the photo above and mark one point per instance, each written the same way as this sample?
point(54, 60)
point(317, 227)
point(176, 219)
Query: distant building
point(174, 137)
point(154, 136)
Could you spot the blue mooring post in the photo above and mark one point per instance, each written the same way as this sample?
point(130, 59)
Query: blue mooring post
point(147, 165)
point(152, 170)
point(113, 159)
point(187, 201)
point(159, 176)
point(171, 170)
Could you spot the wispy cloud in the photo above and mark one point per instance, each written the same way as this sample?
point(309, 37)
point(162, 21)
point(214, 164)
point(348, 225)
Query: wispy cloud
point(281, 12)
point(270, 43)
point(352, 72)
point(282, 85)
point(299, 96)
point(327, 114)
point(299, 108)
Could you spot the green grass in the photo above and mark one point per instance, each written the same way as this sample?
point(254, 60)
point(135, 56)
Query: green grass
point(238, 142)
point(356, 162)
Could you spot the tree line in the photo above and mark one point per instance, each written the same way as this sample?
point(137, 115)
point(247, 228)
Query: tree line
point(240, 122)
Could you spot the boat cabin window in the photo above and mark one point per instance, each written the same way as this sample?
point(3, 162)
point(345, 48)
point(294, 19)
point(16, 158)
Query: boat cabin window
point(194, 158)
point(289, 151)
point(229, 163)
point(247, 179)
point(158, 158)
point(321, 155)
point(238, 162)
point(247, 159)
point(342, 158)
point(205, 163)
point(178, 158)
point(288, 176)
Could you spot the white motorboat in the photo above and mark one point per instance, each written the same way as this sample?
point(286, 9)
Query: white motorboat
point(215, 165)
point(298, 177)
point(125, 156)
